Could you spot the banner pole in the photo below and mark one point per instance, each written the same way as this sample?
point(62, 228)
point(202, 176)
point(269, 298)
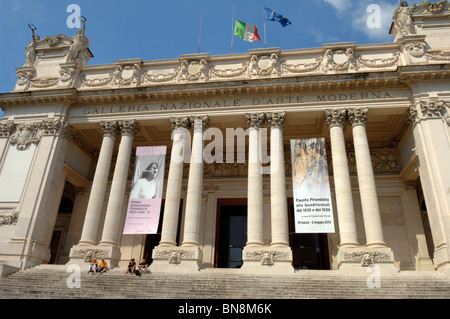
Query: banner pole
point(232, 29)
point(264, 20)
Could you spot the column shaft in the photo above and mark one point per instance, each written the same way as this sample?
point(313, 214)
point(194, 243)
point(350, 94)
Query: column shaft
point(341, 176)
point(278, 199)
point(174, 180)
point(117, 194)
point(366, 179)
point(195, 183)
point(98, 190)
point(255, 223)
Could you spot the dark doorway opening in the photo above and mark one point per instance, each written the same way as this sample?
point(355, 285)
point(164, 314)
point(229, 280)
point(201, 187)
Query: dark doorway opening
point(309, 250)
point(152, 240)
point(231, 234)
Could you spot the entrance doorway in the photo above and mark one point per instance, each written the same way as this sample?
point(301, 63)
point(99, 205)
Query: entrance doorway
point(152, 240)
point(231, 234)
point(309, 251)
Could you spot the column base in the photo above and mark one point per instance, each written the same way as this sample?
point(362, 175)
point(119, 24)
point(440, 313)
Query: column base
point(83, 254)
point(442, 259)
point(267, 260)
point(175, 259)
point(364, 260)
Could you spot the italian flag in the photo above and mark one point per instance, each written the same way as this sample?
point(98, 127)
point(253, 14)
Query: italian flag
point(246, 31)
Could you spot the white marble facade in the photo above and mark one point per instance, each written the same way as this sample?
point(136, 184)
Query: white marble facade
point(70, 131)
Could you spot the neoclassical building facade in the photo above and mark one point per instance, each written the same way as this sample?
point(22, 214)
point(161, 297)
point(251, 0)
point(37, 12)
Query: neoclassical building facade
point(70, 131)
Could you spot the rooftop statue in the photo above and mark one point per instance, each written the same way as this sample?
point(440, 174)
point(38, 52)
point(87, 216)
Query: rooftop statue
point(80, 43)
point(403, 19)
point(30, 50)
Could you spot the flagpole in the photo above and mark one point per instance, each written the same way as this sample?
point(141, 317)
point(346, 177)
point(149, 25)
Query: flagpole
point(232, 30)
point(264, 20)
point(200, 36)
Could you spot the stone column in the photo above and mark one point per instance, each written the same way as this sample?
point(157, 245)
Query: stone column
point(278, 198)
point(98, 189)
point(255, 221)
point(354, 260)
point(111, 231)
point(430, 120)
point(342, 184)
point(366, 179)
point(167, 255)
point(174, 180)
point(195, 183)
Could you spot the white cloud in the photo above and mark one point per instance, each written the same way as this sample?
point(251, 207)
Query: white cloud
point(361, 16)
point(16, 5)
point(341, 6)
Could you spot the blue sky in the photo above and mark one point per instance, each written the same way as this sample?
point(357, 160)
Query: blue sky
point(153, 30)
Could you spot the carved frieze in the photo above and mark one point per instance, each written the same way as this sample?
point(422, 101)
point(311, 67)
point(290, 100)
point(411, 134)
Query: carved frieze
point(255, 120)
point(25, 134)
point(267, 257)
point(88, 254)
point(9, 219)
point(366, 258)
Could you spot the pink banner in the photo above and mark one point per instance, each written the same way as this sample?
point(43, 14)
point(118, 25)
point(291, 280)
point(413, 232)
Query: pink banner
point(144, 205)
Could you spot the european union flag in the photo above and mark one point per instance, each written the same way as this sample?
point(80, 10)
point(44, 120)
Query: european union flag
point(273, 16)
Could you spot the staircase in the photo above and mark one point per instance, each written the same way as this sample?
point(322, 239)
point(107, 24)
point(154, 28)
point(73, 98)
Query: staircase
point(50, 282)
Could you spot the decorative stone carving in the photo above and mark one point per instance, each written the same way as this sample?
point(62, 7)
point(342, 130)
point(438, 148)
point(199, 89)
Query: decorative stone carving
point(6, 128)
point(162, 77)
point(50, 127)
point(381, 62)
point(432, 108)
point(335, 117)
point(11, 219)
point(88, 254)
point(110, 127)
point(181, 122)
point(302, 67)
point(78, 46)
point(276, 119)
point(193, 70)
point(366, 258)
point(435, 7)
point(403, 19)
point(24, 76)
point(339, 60)
point(255, 120)
point(129, 127)
point(173, 256)
point(267, 257)
point(416, 48)
point(25, 134)
point(357, 116)
point(68, 72)
point(30, 50)
point(264, 65)
point(228, 72)
point(439, 56)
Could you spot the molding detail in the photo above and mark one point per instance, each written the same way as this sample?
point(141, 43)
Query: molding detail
point(25, 134)
point(10, 219)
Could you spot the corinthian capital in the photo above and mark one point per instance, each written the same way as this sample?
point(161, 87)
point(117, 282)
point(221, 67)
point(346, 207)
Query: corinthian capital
point(6, 129)
point(109, 127)
point(255, 120)
point(180, 122)
point(276, 119)
point(200, 122)
point(335, 117)
point(357, 116)
point(129, 127)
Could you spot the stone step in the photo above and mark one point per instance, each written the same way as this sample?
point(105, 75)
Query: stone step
point(51, 282)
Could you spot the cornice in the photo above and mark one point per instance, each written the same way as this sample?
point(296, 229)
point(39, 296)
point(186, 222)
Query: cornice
point(401, 78)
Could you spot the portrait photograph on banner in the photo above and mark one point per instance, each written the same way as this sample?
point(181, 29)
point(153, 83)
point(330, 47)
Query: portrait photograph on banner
point(144, 204)
point(313, 209)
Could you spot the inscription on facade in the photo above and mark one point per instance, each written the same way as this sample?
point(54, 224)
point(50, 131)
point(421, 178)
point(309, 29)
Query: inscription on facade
point(236, 103)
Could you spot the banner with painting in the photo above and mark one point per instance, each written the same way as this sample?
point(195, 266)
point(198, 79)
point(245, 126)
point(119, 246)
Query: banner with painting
point(144, 204)
point(313, 209)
